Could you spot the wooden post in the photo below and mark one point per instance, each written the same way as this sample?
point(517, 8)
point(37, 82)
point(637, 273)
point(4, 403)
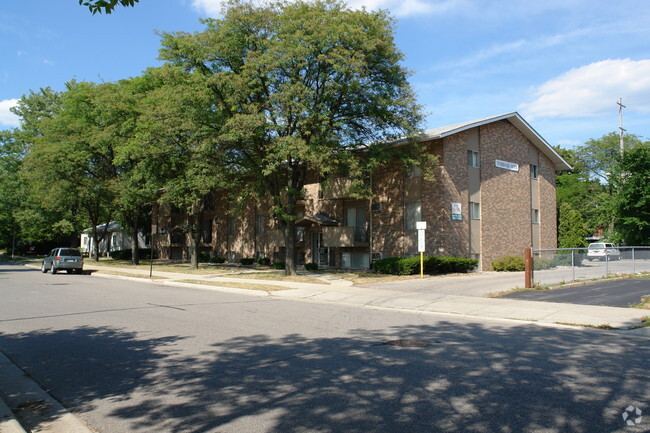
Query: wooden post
point(528, 276)
point(421, 264)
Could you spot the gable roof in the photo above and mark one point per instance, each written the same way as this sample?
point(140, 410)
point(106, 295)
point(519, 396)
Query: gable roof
point(515, 120)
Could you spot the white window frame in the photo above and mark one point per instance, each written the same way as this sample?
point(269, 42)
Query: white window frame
point(473, 159)
point(474, 210)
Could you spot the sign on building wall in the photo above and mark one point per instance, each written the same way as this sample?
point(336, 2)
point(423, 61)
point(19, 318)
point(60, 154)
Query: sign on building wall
point(506, 165)
point(456, 212)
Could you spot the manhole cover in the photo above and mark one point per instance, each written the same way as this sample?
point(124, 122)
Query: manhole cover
point(408, 343)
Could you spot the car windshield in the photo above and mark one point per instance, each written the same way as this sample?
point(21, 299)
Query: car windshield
point(594, 246)
point(70, 252)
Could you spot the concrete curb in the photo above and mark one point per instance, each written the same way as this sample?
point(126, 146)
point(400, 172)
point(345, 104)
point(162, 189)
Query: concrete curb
point(8, 422)
point(37, 410)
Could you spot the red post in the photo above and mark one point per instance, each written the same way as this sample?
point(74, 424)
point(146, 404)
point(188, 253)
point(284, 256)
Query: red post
point(528, 277)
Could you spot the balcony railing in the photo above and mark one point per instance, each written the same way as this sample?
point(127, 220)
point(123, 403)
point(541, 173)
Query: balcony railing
point(345, 237)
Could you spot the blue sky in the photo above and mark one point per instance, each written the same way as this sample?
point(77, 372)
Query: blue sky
point(561, 64)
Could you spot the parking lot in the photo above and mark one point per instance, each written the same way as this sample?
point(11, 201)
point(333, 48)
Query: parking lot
point(618, 293)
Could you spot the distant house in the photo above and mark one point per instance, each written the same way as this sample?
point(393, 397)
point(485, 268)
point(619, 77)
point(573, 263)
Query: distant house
point(493, 195)
point(116, 239)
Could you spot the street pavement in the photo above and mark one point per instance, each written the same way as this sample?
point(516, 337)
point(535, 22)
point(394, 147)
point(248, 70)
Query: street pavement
point(445, 296)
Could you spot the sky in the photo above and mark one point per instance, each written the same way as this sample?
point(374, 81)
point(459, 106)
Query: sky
point(562, 64)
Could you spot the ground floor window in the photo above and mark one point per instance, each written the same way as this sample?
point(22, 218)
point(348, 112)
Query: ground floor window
point(355, 260)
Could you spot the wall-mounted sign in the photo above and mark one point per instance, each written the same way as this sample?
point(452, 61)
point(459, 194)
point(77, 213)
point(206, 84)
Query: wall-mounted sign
point(456, 212)
point(506, 165)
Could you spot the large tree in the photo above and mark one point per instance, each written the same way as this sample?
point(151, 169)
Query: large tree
point(632, 183)
point(71, 162)
point(309, 88)
point(174, 150)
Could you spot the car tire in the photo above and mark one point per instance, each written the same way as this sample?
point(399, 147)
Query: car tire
point(54, 270)
point(43, 268)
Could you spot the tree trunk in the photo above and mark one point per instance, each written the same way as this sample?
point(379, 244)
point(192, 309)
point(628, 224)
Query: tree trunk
point(135, 254)
point(290, 248)
point(195, 234)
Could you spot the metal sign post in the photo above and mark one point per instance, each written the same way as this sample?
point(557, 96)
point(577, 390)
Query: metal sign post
point(421, 226)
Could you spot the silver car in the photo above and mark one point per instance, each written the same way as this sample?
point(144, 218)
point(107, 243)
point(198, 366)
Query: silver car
point(603, 251)
point(68, 259)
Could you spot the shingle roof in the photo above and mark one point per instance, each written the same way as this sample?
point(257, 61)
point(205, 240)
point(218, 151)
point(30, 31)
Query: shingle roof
point(517, 121)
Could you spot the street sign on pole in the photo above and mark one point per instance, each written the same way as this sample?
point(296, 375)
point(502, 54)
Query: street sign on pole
point(421, 226)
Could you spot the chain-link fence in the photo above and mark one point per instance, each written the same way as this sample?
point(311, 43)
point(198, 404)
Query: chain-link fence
point(563, 265)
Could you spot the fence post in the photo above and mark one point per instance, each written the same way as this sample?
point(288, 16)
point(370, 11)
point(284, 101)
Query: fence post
point(633, 262)
point(573, 265)
point(528, 274)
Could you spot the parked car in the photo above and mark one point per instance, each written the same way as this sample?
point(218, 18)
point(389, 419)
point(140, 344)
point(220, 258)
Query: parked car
point(602, 251)
point(68, 259)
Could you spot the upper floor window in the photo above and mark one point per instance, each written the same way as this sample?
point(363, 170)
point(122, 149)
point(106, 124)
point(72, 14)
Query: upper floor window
point(534, 171)
point(535, 216)
point(473, 158)
point(412, 214)
point(474, 210)
point(260, 224)
point(413, 171)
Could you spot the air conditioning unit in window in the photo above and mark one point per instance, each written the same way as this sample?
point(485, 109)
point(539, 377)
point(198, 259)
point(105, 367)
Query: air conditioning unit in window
point(376, 256)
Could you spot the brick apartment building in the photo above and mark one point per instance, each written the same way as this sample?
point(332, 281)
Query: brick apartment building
point(493, 194)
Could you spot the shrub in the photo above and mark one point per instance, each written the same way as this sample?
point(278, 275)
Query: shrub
point(509, 264)
point(311, 266)
point(278, 265)
point(143, 253)
point(204, 257)
point(247, 261)
point(264, 261)
point(218, 259)
point(432, 265)
point(449, 265)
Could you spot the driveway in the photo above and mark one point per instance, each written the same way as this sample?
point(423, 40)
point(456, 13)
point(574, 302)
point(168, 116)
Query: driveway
point(619, 293)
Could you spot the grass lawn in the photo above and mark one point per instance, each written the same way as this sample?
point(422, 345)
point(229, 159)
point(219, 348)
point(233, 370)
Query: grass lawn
point(248, 286)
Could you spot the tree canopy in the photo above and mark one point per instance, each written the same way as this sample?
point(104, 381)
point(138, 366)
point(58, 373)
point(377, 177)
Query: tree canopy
point(305, 87)
point(105, 6)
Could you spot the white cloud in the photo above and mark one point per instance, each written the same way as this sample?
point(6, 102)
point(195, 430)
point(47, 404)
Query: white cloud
point(8, 118)
point(592, 90)
point(400, 8)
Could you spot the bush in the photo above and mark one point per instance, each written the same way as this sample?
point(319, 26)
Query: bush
point(204, 257)
point(278, 265)
point(143, 253)
point(432, 265)
point(311, 266)
point(509, 264)
point(264, 261)
point(247, 261)
point(218, 259)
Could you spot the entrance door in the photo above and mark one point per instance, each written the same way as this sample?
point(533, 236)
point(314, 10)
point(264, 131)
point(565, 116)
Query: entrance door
point(319, 253)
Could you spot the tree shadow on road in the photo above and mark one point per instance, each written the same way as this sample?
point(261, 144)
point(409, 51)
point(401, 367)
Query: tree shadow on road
point(459, 377)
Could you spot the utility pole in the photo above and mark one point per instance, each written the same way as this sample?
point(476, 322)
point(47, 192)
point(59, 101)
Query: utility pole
point(620, 124)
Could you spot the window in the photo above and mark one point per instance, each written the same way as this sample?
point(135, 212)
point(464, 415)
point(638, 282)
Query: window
point(261, 224)
point(534, 171)
point(413, 214)
point(472, 158)
point(206, 230)
point(474, 211)
point(535, 216)
point(231, 225)
point(413, 171)
point(356, 217)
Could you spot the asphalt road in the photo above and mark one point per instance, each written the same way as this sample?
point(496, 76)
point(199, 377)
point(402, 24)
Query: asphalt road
point(134, 357)
point(619, 293)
